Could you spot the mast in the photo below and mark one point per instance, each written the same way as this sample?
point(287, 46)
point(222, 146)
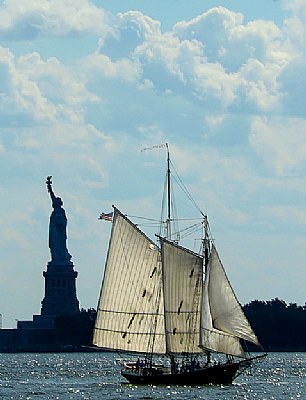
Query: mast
point(206, 242)
point(206, 258)
point(168, 222)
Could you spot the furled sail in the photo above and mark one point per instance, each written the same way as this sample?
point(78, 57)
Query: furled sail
point(223, 321)
point(130, 310)
point(182, 285)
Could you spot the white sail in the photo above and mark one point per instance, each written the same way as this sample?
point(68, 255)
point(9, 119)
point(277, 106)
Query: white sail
point(130, 310)
point(182, 285)
point(223, 321)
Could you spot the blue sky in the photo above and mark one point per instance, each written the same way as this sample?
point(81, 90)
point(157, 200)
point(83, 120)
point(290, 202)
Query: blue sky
point(85, 85)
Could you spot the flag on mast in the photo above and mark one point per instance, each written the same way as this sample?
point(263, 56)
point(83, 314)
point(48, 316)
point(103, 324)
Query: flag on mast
point(157, 146)
point(106, 217)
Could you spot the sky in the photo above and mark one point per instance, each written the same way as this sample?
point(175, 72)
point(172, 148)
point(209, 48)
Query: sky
point(85, 85)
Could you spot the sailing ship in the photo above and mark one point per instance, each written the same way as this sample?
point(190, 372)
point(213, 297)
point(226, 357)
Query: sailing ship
point(171, 307)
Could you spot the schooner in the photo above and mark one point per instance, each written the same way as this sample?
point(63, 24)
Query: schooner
point(170, 306)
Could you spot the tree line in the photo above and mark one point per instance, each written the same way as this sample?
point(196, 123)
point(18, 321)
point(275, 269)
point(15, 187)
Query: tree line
point(278, 325)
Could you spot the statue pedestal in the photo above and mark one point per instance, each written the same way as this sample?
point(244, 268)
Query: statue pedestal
point(60, 290)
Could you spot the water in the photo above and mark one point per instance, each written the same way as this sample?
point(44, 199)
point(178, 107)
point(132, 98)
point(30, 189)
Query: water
point(97, 376)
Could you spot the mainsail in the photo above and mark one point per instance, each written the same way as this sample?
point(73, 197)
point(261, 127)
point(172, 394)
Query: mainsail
point(182, 285)
point(223, 321)
point(130, 310)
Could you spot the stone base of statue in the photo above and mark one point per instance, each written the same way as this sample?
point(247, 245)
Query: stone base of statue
point(60, 290)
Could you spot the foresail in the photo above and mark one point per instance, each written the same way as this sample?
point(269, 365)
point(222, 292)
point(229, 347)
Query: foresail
point(212, 338)
point(130, 309)
point(223, 320)
point(182, 285)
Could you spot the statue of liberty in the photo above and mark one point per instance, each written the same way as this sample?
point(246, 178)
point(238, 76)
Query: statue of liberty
point(57, 230)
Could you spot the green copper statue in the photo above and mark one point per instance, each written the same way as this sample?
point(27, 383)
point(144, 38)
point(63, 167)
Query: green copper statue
point(57, 230)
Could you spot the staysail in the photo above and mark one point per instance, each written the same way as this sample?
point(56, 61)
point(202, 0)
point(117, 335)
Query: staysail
point(182, 285)
point(223, 321)
point(130, 310)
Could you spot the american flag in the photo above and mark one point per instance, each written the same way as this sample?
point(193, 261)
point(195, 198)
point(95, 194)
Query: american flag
point(106, 217)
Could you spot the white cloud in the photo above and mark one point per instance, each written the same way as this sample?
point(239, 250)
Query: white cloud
point(38, 91)
point(31, 19)
point(56, 82)
point(130, 29)
point(295, 25)
point(135, 27)
point(192, 62)
point(209, 27)
point(99, 66)
point(222, 32)
point(280, 143)
point(258, 87)
point(20, 97)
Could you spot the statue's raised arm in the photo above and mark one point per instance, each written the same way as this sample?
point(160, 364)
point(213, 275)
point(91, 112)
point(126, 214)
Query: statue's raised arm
point(49, 187)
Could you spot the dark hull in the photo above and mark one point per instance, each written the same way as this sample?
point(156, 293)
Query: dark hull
point(215, 374)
